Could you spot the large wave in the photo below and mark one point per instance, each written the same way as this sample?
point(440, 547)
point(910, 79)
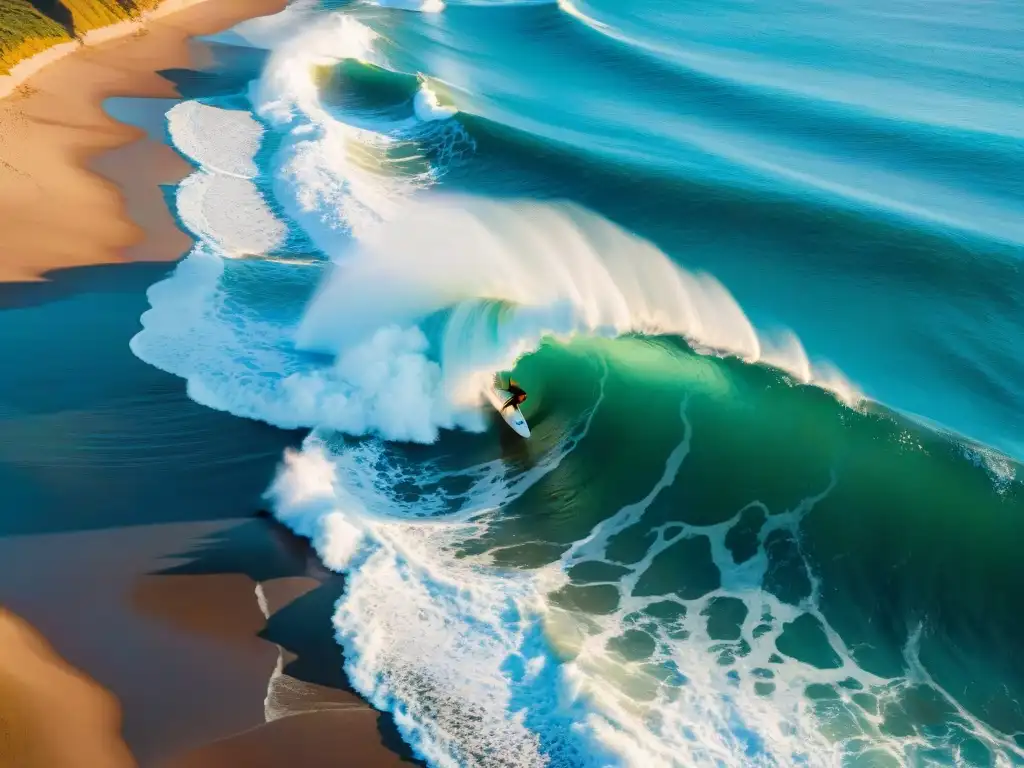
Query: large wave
point(337, 176)
point(407, 327)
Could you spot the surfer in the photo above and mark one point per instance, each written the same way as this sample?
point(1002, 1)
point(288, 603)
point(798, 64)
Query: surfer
point(518, 395)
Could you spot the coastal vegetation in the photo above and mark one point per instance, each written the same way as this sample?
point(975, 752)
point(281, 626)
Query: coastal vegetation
point(28, 27)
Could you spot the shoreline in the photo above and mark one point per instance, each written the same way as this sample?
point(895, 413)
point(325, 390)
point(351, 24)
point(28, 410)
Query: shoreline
point(58, 148)
point(216, 641)
point(139, 577)
point(68, 169)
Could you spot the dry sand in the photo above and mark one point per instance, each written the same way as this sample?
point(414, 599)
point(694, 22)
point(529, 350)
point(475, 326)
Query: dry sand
point(50, 713)
point(56, 211)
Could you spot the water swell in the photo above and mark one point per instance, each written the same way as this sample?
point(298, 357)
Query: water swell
point(880, 145)
point(335, 176)
point(588, 658)
point(529, 647)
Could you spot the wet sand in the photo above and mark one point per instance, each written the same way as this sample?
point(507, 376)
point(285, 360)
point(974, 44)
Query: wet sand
point(206, 667)
point(179, 628)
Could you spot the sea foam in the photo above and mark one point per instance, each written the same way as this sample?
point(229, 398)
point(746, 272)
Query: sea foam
point(220, 140)
point(485, 664)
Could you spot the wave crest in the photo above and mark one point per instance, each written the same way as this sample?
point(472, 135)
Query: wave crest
point(507, 275)
point(402, 334)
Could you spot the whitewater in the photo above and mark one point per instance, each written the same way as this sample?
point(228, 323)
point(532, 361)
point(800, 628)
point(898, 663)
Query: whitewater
point(728, 540)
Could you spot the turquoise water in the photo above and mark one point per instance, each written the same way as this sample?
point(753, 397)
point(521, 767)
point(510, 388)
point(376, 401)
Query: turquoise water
point(759, 271)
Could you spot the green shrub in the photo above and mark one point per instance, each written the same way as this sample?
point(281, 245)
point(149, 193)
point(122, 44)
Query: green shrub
point(25, 30)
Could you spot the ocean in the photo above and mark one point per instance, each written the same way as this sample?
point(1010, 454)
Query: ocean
point(758, 267)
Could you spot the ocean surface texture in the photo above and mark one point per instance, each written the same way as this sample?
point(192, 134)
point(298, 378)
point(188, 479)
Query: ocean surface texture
point(758, 266)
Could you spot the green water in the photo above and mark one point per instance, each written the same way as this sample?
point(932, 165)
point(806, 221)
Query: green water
point(899, 564)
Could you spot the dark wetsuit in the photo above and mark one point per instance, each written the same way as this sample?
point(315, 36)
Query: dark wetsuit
point(517, 395)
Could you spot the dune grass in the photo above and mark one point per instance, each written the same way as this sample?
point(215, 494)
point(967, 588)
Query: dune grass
point(24, 32)
point(30, 26)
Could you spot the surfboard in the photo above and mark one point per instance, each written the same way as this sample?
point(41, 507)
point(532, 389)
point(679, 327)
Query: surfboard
point(512, 416)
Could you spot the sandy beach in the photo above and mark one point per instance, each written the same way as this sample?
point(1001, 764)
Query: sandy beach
point(58, 211)
point(42, 696)
point(149, 617)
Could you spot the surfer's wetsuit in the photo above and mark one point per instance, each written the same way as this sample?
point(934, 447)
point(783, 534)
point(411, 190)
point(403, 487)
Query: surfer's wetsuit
point(518, 395)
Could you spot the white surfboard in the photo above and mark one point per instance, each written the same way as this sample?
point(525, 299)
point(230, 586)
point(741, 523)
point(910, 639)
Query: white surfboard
point(512, 415)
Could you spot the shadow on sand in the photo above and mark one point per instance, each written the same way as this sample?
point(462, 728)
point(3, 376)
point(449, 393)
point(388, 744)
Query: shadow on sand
point(264, 550)
point(93, 438)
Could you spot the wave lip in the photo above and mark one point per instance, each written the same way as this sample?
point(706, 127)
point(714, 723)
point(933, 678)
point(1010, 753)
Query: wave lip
point(553, 270)
point(427, 107)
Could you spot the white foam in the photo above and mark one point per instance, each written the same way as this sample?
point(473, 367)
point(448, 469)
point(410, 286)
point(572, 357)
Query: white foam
point(647, 719)
point(261, 601)
point(287, 91)
point(221, 140)
point(228, 211)
point(427, 634)
point(234, 360)
point(220, 203)
point(1000, 468)
point(329, 191)
point(335, 178)
point(230, 356)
